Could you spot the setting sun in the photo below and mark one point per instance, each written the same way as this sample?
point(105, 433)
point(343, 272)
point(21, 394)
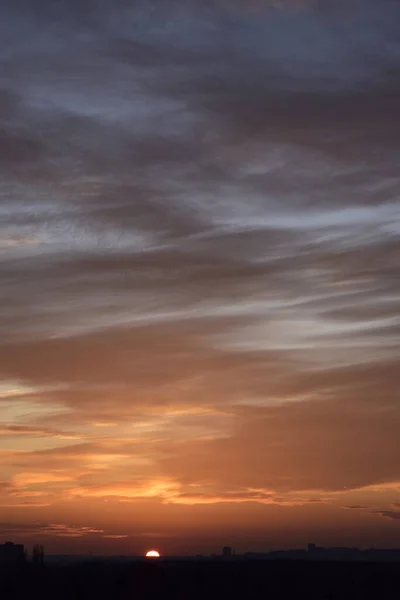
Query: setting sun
point(152, 554)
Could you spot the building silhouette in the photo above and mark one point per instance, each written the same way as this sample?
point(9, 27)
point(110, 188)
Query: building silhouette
point(227, 552)
point(38, 554)
point(11, 554)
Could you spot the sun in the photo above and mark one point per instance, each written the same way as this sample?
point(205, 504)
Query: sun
point(152, 554)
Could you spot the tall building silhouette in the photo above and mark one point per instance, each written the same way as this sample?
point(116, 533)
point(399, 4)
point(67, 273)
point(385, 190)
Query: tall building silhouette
point(11, 554)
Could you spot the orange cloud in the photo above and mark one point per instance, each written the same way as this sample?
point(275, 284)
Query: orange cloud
point(32, 478)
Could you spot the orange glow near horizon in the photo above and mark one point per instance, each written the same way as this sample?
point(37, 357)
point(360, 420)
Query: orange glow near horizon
point(152, 554)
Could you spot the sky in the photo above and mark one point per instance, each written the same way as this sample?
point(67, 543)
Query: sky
point(199, 275)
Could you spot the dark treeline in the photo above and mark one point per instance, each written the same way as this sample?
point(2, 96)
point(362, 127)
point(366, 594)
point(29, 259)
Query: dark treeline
point(256, 579)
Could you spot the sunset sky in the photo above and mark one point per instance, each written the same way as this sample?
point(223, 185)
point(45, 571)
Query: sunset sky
point(199, 274)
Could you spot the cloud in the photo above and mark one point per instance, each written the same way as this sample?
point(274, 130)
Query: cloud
point(51, 529)
point(389, 514)
point(137, 490)
point(199, 253)
point(314, 444)
point(67, 530)
point(241, 496)
point(31, 478)
point(299, 429)
point(25, 430)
